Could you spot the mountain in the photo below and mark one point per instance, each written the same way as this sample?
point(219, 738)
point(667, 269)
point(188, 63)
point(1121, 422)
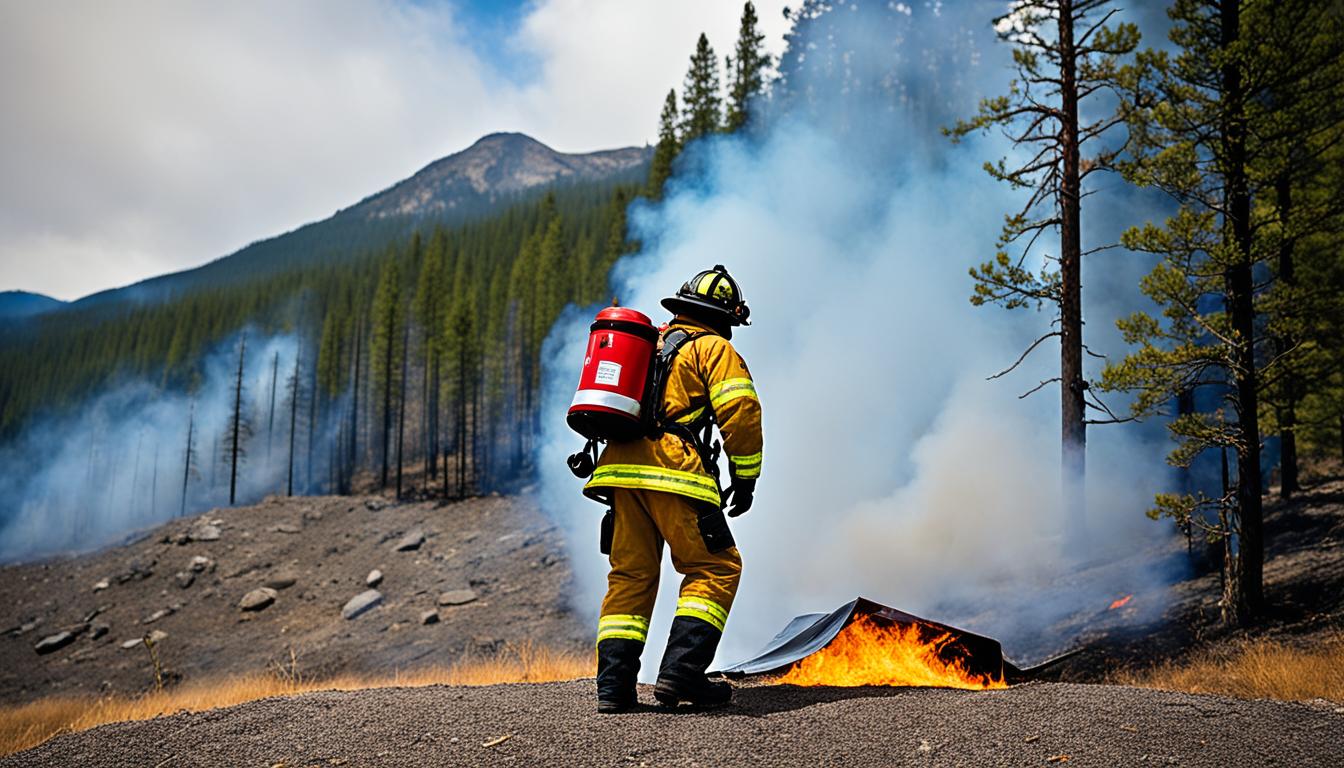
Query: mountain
point(499, 170)
point(17, 304)
point(497, 166)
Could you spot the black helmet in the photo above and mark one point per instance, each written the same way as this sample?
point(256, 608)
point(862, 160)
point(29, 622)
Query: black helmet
point(713, 290)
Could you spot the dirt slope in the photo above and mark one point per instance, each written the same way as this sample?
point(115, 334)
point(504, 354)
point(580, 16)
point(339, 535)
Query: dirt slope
point(501, 557)
point(556, 724)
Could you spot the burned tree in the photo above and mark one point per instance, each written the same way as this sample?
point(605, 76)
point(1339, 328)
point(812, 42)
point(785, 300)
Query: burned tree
point(240, 428)
point(188, 458)
point(1057, 70)
point(270, 417)
point(387, 338)
point(293, 420)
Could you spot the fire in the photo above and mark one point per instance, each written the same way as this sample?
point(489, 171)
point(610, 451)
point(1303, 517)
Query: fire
point(1120, 603)
point(869, 653)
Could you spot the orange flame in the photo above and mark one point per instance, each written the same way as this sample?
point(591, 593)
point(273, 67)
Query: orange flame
point(1121, 603)
point(868, 653)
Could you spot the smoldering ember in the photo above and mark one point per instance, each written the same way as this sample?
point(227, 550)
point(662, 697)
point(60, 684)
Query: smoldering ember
point(838, 382)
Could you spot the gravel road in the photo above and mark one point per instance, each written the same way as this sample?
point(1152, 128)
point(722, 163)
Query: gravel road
point(555, 724)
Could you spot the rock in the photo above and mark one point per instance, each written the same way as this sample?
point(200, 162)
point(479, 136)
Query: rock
point(127, 644)
point(28, 626)
point(282, 580)
point(549, 559)
point(257, 599)
point(200, 564)
point(312, 514)
point(100, 586)
point(286, 528)
point(457, 597)
point(361, 603)
point(185, 578)
point(429, 617)
point(375, 504)
point(157, 636)
point(205, 532)
point(374, 578)
point(155, 616)
point(53, 643)
point(98, 630)
point(411, 541)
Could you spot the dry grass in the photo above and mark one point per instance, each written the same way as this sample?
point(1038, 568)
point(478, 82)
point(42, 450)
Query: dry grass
point(28, 725)
point(1259, 669)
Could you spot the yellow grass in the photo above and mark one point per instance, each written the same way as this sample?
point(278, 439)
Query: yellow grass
point(27, 725)
point(1259, 669)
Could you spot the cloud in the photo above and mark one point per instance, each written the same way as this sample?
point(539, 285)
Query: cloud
point(152, 136)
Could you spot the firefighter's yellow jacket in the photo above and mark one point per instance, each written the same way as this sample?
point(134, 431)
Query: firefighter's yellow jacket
point(707, 376)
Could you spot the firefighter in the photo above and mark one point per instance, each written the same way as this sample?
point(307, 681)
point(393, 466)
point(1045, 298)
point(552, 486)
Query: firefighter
point(665, 489)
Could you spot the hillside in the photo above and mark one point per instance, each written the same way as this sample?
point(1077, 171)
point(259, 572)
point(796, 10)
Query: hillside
point(499, 170)
point(22, 304)
point(500, 559)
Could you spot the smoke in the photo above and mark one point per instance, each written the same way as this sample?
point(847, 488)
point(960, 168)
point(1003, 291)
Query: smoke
point(892, 469)
point(117, 463)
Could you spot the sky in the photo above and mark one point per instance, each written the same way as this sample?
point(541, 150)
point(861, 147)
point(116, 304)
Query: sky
point(149, 136)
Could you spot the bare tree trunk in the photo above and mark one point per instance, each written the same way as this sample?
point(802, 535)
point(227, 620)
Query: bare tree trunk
point(1072, 384)
point(293, 423)
point(1287, 410)
point(270, 418)
point(387, 400)
point(312, 428)
point(401, 404)
point(1240, 289)
point(186, 459)
point(354, 412)
point(237, 422)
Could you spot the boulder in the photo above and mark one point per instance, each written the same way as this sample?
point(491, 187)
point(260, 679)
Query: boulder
point(411, 541)
point(205, 532)
point(200, 564)
point(98, 630)
point(101, 585)
point(52, 643)
point(361, 603)
point(458, 597)
point(185, 578)
point(282, 580)
point(429, 617)
point(257, 599)
point(374, 578)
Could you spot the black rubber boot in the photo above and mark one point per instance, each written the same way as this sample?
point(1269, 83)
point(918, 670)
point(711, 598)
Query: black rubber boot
point(617, 671)
point(681, 678)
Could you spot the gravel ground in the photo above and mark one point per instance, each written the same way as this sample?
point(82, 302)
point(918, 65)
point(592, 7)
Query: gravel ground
point(556, 724)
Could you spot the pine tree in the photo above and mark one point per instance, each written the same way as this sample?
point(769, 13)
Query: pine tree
point(385, 351)
point(293, 421)
point(660, 168)
point(1058, 67)
point(703, 113)
point(747, 68)
point(1204, 124)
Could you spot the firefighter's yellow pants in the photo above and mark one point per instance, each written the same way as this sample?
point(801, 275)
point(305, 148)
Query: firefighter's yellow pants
point(644, 520)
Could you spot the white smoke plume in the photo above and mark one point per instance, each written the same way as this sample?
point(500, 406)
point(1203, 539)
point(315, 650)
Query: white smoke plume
point(115, 464)
point(893, 469)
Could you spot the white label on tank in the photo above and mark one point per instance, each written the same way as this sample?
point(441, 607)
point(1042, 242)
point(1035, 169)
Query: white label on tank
point(608, 373)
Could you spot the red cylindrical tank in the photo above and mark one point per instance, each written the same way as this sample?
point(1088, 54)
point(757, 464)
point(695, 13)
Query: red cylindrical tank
point(608, 404)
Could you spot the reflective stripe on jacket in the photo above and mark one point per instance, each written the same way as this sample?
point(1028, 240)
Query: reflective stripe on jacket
point(707, 375)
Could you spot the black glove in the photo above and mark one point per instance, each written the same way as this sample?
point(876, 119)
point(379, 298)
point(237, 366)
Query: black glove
point(740, 494)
